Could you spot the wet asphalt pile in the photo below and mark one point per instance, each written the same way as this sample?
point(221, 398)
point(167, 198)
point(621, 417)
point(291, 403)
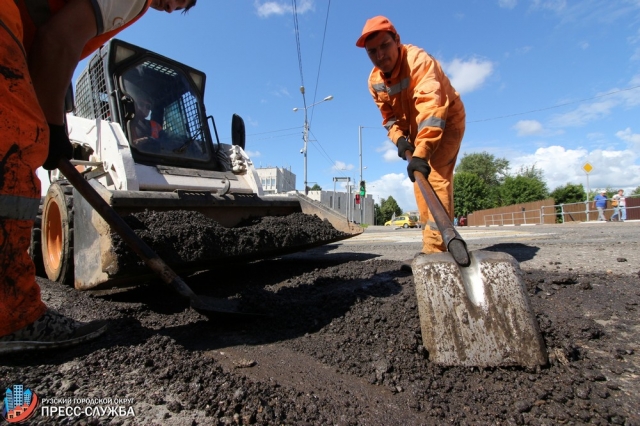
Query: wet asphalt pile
point(340, 344)
point(183, 237)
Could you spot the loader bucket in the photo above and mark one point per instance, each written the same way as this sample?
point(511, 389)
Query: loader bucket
point(100, 260)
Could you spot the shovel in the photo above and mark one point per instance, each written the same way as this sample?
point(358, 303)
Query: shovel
point(202, 304)
point(474, 308)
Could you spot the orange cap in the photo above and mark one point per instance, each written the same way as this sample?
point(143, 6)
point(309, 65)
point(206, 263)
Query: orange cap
point(377, 23)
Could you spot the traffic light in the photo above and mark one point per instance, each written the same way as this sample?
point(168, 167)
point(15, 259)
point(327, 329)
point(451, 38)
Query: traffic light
point(363, 188)
point(357, 198)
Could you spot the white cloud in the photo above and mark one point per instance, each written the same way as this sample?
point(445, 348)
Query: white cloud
point(253, 154)
point(584, 45)
point(587, 11)
point(524, 50)
point(341, 166)
point(554, 5)
point(467, 76)
point(528, 127)
point(389, 152)
point(507, 4)
point(396, 185)
point(251, 121)
point(280, 92)
point(268, 8)
point(602, 105)
point(614, 169)
point(585, 113)
point(633, 139)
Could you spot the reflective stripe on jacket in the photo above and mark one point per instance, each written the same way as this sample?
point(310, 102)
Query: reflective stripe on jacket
point(18, 208)
point(417, 100)
point(36, 13)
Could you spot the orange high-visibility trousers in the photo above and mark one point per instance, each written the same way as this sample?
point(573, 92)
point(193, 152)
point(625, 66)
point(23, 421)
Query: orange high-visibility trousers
point(442, 162)
point(24, 139)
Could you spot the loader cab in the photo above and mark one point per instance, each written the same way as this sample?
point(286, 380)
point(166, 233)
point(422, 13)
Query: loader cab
point(157, 101)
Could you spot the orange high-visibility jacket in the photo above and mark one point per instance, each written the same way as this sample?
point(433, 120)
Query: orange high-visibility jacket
point(36, 12)
point(156, 128)
point(417, 101)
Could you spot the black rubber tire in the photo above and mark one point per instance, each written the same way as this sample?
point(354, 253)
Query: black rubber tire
point(405, 226)
point(35, 248)
point(57, 233)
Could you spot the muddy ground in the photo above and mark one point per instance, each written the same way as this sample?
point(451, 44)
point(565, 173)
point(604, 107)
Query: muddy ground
point(339, 342)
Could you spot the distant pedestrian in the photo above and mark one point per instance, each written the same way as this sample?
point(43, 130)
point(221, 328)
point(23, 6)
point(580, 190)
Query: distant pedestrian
point(600, 203)
point(455, 221)
point(619, 204)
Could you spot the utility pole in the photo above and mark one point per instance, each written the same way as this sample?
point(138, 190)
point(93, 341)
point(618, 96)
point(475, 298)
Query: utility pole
point(363, 199)
point(305, 133)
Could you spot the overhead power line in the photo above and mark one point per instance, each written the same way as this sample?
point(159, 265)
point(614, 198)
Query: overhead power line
point(324, 36)
point(555, 106)
point(297, 31)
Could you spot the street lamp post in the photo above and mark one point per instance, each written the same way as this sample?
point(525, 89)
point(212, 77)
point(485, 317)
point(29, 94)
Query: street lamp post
point(305, 134)
point(360, 145)
point(361, 168)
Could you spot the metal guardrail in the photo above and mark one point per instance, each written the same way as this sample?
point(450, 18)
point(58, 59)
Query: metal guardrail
point(525, 217)
point(585, 212)
point(570, 212)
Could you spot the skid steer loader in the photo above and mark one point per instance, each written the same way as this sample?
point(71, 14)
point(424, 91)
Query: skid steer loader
point(175, 165)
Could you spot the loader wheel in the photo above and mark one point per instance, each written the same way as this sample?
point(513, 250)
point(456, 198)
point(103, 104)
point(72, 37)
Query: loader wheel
point(35, 246)
point(57, 233)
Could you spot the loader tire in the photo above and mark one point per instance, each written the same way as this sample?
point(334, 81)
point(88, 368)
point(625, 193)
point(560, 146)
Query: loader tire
point(57, 232)
point(35, 246)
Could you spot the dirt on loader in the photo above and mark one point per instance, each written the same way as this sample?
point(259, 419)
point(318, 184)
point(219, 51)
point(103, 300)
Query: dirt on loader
point(340, 341)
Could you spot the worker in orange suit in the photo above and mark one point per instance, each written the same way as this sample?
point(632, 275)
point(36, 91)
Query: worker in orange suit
point(41, 43)
point(421, 111)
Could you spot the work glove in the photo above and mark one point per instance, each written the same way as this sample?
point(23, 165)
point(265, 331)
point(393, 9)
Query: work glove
point(59, 146)
point(403, 145)
point(418, 165)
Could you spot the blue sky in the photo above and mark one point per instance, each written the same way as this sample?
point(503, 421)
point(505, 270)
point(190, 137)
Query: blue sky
point(553, 83)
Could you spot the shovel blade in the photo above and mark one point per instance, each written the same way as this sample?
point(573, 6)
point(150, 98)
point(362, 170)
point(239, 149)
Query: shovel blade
point(478, 315)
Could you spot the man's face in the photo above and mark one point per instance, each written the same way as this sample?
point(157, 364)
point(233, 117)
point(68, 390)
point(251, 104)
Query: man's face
point(383, 50)
point(170, 5)
point(143, 108)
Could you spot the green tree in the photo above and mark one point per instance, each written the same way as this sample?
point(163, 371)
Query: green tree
point(388, 207)
point(522, 189)
point(530, 172)
point(470, 193)
point(486, 166)
point(569, 193)
point(636, 191)
point(316, 187)
point(377, 213)
point(491, 170)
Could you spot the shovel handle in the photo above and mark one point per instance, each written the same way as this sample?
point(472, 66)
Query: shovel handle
point(150, 258)
point(452, 239)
